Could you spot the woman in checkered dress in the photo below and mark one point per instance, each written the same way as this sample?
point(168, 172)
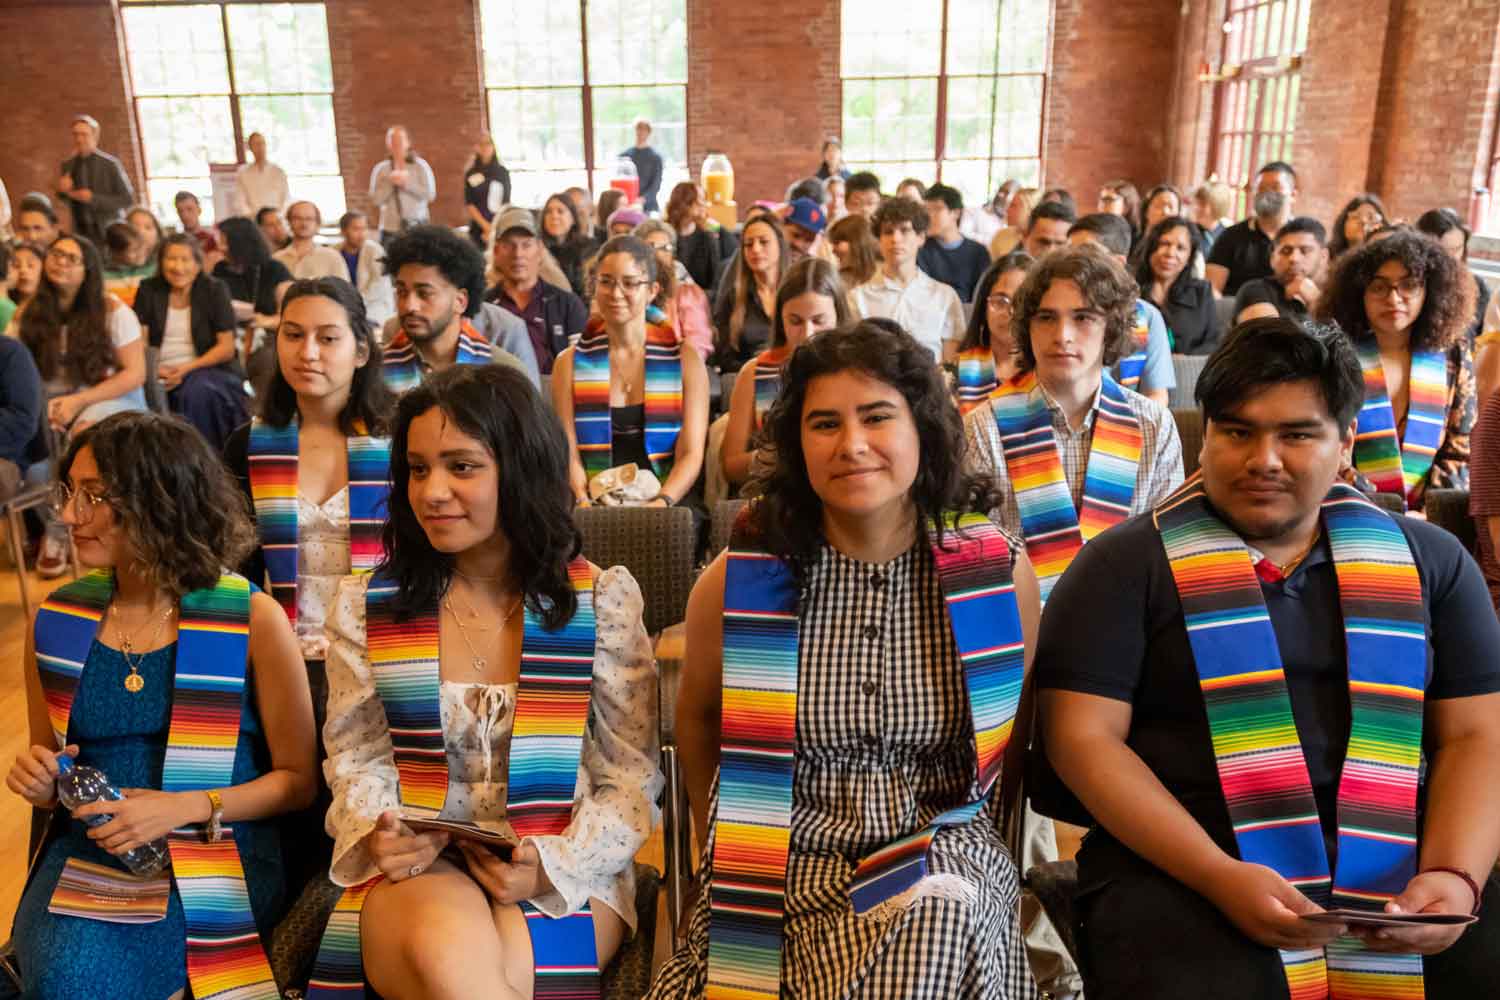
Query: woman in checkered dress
point(870, 447)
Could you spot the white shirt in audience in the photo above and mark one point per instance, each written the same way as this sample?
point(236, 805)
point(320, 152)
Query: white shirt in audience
point(177, 338)
point(927, 309)
point(319, 262)
point(258, 186)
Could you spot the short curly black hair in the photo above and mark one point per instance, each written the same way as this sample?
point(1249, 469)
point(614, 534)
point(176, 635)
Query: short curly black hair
point(1447, 309)
point(1105, 286)
point(788, 514)
point(455, 256)
point(894, 211)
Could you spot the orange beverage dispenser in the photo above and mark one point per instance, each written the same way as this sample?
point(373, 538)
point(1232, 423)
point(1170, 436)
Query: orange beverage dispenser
point(718, 189)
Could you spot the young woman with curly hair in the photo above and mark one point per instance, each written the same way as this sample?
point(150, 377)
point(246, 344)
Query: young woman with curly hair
point(191, 698)
point(839, 572)
point(534, 674)
point(1405, 303)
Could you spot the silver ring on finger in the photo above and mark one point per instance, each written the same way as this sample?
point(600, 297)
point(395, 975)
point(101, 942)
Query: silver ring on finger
point(413, 871)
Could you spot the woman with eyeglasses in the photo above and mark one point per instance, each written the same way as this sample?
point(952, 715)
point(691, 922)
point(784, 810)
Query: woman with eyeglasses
point(88, 348)
point(631, 392)
point(1405, 303)
point(988, 355)
point(184, 686)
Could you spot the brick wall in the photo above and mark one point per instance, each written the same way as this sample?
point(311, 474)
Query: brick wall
point(68, 54)
point(1113, 68)
point(413, 64)
point(763, 88)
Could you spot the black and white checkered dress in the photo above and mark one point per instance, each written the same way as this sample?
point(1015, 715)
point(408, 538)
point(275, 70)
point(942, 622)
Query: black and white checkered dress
point(884, 744)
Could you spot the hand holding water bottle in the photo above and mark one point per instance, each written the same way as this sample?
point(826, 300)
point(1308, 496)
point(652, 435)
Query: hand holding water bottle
point(33, 776)
point(132, 829)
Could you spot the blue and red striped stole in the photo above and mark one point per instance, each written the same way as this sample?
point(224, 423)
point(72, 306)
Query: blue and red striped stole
point(225, 959)
point(552, 709)
point(1133, 365)
point(401, 365)
point(1053, 529)
point(273, 485)
point(1261, 766)
point(1392, 463)
point(976, 377)
point(768, 368)
point(752, 828)
point(591, 420)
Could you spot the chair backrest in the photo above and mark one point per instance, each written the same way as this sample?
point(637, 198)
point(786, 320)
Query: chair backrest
point(721, 523)
point(1388, 502)
point(656, 544)
point(1224, 313)
point(726, 390)
point(1187, 368)
point(1449, 509)
point(1190, 430)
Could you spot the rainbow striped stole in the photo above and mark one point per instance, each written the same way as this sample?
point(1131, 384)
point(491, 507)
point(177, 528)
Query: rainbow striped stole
point(976, 377)
point(552, 709)
point(1054, 531)
point(401, 365)
point(1132, 365)
point(273, 486)
point(1396, 465)
point(1261, 767)
point(767, 368)
point(224, 954)
point(591, 421)
point(752, 830)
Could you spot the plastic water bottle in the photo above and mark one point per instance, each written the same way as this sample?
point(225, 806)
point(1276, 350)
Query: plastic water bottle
point(79, 784)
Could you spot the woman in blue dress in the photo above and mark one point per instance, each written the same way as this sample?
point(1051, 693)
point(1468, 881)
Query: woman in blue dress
point(153, 511)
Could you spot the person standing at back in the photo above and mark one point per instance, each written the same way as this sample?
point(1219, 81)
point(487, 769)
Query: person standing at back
point(260, 183)
point(1243, 251)
point(93, 183)
point(647, 162)
point(402, 185)
point(486, 189)
point(948, 255)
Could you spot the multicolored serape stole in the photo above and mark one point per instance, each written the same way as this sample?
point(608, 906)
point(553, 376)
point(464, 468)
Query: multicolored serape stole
point(273, 485)
point(1261, 767)
point(1132, 365)
point(1395, 465)
point(752, 828)
point(401, 365)
point(976, 378)
point(768, 366)
point(1054, 531)
point(591, 422)
point(552, 709)
point(224, 954)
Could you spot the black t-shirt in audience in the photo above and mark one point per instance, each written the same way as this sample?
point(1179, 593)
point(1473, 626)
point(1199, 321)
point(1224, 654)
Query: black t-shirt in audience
point(959, 268)
point(1245, 251)
point(257, 285)
point(1133, 647)
point(1271, 291)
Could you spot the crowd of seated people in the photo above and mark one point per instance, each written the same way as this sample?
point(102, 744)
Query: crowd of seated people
point(338, 476)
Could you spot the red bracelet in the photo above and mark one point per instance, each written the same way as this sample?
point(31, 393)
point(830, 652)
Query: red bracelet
point(1468, 880)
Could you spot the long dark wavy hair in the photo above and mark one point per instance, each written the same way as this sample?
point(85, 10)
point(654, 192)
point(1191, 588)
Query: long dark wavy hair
point(498, 407)
point(1145, 277)
point(788, 516)
point(1338, 243)
point(370, 400)
point(177, 503)
point(1446, 312)
point(90, 354)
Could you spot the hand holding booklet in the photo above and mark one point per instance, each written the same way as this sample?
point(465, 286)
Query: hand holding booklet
point(499, 843)
point(1375, 918)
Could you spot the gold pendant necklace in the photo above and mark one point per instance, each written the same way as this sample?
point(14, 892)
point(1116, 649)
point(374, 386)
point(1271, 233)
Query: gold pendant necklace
point(134, 682)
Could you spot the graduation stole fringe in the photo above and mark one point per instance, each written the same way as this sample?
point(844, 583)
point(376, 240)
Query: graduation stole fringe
point(1395, 465)
point(401, 365)
point(591, 421)
point(752, 828)
point(552, 709)
point(1054, 531)
point(1261, 767)
point(225, 959)
point(273, 485)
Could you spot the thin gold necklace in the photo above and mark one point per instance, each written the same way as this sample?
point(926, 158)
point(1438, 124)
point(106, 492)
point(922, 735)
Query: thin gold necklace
point(479, 662)
point(134, 682)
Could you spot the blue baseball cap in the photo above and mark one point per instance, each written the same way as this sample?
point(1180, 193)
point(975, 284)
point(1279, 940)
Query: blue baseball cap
point(808, 214)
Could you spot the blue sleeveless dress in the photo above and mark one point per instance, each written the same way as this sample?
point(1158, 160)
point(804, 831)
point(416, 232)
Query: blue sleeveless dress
point(125, 736)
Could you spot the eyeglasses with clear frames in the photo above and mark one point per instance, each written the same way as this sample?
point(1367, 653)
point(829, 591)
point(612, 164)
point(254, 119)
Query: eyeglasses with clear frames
point(607, 284)
point(62, 494)
point(1000, 302)
point(1407, 288)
